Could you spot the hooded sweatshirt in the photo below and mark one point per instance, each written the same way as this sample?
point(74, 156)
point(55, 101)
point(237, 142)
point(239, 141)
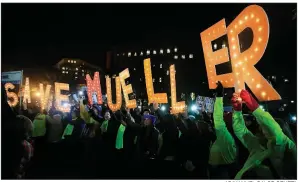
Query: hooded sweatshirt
point(55, 128)
point(257, 153)
point(39, 125)
point(223, 150)
point(283, 153)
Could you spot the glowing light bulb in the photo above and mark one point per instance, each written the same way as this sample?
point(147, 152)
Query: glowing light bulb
point(260, 29)
point(234, 47)
point(240, 22)
point(246, 17)
point(257, 20)
point(252, 15)
point(260, 39)
point(233, 38)
point(258, 85)
point(263, 94)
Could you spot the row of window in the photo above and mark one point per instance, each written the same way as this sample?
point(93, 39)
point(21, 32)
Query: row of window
point(66, 72)
point(72, 61)
point(66, 68)
point(148, 52)
point(153, 79)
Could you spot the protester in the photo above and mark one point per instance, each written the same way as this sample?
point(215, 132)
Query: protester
point(223, 152)
point(92, 142)
point(279, 148)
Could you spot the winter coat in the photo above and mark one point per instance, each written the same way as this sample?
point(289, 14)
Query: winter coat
point(223, 150)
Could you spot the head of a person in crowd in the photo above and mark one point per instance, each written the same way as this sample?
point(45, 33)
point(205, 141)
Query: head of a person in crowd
point(45, 112)
point(146, 111)
point(27, 126)
point(149, 120)
point(107, 115)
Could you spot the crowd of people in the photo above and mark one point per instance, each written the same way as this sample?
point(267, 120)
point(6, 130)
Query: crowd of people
point(92, 142)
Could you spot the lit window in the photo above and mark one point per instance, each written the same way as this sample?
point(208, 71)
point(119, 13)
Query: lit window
point(215, 46)
point(160, 79)
point(117, 54)
point(66, 72)
point(154, 52)
point(76, 77)
point(175, 57)
point(175, 50)
point(77, 69)
point(183, 56)
point(292, 101)
point(286, 80)
point(71, 61)
point(140, 79)
point(148, 52)
point(161, 51)
point(63, 68)
point(154, 65)
point(82, 70)
point(168, 51)
point(63, 72)
point(129, 54)
point(66, 68)
point(160, 65)
point(83, 74)
point(83, 63)
point(191, 56)
point(141, 53)
point(167, 72)
point(134, 69)
point(74, 61)
point(223, 45)
point(123, 54)
point(135, 54)
point(153, 80)
point(76, 73)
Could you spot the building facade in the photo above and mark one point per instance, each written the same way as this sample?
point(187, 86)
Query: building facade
point(161, 58)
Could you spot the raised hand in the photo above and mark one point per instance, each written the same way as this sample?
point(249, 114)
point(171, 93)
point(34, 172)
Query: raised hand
point(219, 90)
point(236, 102)
point(250, 102)
point(155, 106)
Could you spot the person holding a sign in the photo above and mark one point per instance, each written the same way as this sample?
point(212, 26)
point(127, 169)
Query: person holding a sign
point(223, 151)
point(280, 150)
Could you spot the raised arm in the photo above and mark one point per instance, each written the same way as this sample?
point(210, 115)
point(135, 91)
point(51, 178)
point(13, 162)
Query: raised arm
point(219, 123)
point(270, 127)
point(243, 134)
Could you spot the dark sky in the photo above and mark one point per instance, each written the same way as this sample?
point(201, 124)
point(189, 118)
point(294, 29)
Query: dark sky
point(42, 34)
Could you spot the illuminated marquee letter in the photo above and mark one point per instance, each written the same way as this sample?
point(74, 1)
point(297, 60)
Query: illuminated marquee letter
point(127, 89)
point(94, 86)
point(177, 107)
point(12, 95)
point(117, 106)
point(255, 18)
point(27, 96)
point(152, 97)
point(217, 57)
point(44, 95)
point(59, 97)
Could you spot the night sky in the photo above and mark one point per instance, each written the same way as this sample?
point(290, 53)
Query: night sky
point(43, 34)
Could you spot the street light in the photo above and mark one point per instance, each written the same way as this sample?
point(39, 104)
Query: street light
point(80, 92)
point(163, 108)
point(194, 108)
